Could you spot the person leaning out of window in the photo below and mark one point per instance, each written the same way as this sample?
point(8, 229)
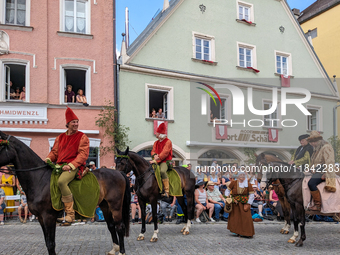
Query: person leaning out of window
point(81, 98)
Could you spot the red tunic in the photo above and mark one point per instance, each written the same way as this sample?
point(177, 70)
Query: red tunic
point(72, 149)
point(163, 149)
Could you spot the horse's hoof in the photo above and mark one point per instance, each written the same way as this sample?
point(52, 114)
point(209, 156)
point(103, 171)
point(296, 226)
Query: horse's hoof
point(282, 231)
point(286, 232)
point(298, 244)
point(140, 238)
point(153, 240)
point(291, 241)
point(182, 230)
point(186, 232)
point(121, 253)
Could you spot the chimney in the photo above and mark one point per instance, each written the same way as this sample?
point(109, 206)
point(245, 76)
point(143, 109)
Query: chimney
point(296, 13)
point(123, 54)
point(165, 5)
point(127, 27)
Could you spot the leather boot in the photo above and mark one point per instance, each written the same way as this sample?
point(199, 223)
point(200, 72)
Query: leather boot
point(317, 201)
point(166, 187)
point(68, 204)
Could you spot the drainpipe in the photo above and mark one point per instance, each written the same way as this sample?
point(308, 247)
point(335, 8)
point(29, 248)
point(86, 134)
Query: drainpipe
point(115, 61)
point(334, 128)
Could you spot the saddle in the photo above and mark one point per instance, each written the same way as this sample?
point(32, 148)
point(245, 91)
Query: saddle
point(330, 201)
point(174, 181)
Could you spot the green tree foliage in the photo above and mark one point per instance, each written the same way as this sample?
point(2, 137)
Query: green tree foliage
point(117, 134)
point(250, 153)
point(335, 142)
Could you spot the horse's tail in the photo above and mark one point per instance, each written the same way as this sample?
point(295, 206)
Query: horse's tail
point(126, 206)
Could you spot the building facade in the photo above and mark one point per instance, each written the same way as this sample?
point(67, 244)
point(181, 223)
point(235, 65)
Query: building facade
point(317, 21)
point(45, 46)
point(201, 63)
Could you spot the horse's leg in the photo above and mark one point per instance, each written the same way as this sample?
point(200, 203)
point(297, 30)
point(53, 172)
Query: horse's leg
point(286, 214)
point(120, 228)
point(48, 225)
point(154, 237)
point(189, 211)
point(142, 208)
point(296, 227)
point(301, 212)
point(110, 225)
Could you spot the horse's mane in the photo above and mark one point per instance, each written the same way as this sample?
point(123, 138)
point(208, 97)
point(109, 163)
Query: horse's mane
point(140, 157)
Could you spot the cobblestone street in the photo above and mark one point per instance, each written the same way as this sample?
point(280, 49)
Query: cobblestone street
point(322, 238)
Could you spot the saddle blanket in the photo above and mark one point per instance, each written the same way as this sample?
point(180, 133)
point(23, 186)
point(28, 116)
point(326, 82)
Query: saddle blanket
point(174, 181)
point(330, 201)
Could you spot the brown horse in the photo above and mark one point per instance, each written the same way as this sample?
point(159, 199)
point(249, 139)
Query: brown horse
point(264, 159)
point(34, 176)
point(148, 191)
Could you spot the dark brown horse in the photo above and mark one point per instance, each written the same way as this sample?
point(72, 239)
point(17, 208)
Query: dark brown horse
point(148, 191)
point(264, 159)
point(291, 180)
point(34, 176)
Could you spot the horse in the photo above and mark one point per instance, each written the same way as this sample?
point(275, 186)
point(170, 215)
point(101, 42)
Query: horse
point(148, 191)
point(34, 176)
point(278, 188)
point(291, 179)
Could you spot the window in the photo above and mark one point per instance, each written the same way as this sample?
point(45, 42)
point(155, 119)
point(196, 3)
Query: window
point(245, 12)
point(15, 82)
point(93, 156)
point(283, 63)
point(217, 110)
point(270, 120)
point(312, 120)
point(75, 81)
point(159, 97)
point(203, 47)
point(16, 12)
point(246, 55)
point(76, 16)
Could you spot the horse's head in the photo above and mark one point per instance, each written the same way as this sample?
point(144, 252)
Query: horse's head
point(7, 151)
point(122, 161)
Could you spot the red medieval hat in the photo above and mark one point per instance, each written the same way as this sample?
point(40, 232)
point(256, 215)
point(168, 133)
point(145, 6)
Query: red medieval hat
point(161, 129)
point(69, 115)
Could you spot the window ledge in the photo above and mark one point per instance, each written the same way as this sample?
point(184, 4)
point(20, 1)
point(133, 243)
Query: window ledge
point(245, 22)
point(15, 101)
point(278, 74)
point(75, 35)
point(16, 27)
point(278, 128)
point(213, 63)
point(152, 119)
point(245, 69)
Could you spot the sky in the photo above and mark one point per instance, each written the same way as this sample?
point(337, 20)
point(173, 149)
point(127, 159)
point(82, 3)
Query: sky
point(141, 13)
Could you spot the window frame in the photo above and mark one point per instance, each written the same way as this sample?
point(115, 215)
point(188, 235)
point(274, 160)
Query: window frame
point(211, 46)
point(226, 97)
point(278, 113)
point(22, 62)
point(27, 18)
point(170, 99)
point(289, 62)
point(87, 15)
point(318, 109)
point(245, 5)
point(253, 54)
point(63, 84)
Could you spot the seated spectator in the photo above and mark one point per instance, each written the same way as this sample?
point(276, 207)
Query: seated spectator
point(214, 178)
point(81, 98)
point(92, 166)
point(135, 206)
point(17, 93)
point(69, 94)
point(258, 200)
point(273, 198)
point(2, 206)
point(201, 201)
point(168, 202)
point(23, 94)
point(215, 197)
point(153, 114)
point(160, 114)
point(24, 205)
point(200, 176)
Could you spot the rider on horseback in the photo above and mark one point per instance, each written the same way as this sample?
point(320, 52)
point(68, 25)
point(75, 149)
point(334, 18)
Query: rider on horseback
point(303, 153)
point(161, 153)
point(71, 147)
point(322, 161)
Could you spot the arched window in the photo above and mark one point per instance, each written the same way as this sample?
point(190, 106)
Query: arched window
point(222, 157)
